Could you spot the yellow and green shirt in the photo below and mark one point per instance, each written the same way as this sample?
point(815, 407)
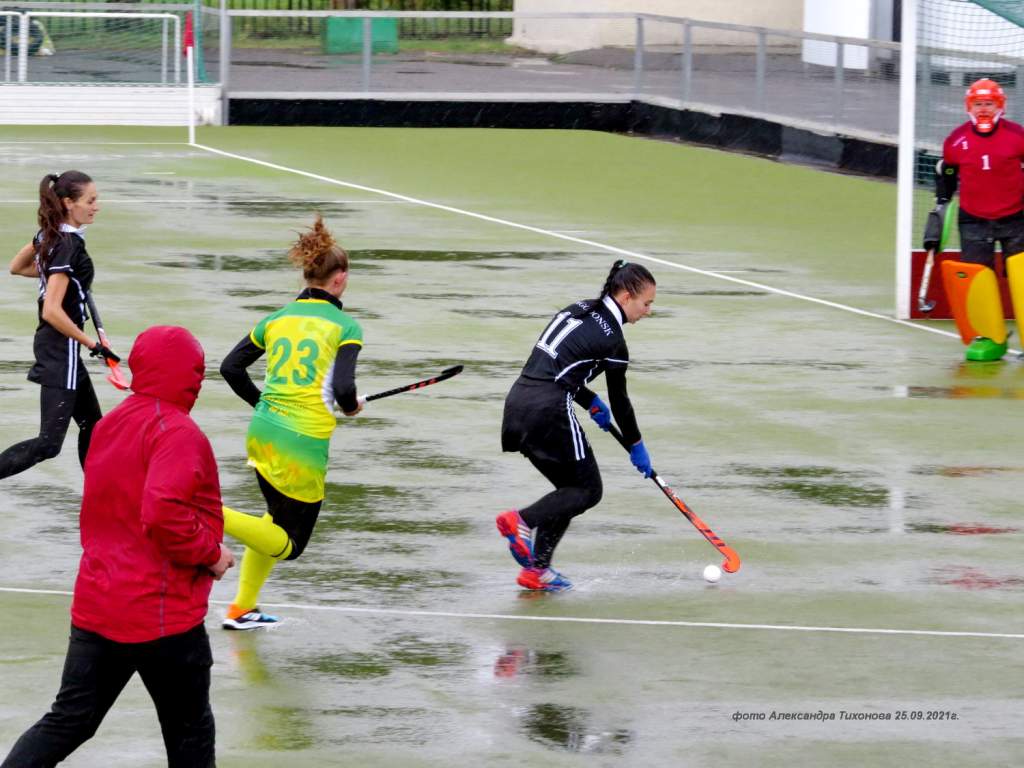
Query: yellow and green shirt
point(289, 435)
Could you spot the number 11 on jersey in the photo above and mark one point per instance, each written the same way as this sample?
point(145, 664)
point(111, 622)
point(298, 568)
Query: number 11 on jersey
point(550, 345)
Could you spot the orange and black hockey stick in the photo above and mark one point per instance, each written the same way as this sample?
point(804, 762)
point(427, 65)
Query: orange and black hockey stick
point(116, 375)
point(447, 373)
point(732, 560)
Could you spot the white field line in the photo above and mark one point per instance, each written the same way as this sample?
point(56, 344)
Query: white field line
point(4, 142)
point(401, 612)
point(581, 241)
point(208, 201)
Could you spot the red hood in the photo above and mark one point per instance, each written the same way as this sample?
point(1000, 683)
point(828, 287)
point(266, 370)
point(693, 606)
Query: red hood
point(167, 362)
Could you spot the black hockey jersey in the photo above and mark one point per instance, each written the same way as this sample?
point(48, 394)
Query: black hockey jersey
point(581, 342)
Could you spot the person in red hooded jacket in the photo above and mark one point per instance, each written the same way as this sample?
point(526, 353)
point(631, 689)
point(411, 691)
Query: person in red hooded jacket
point(151, 530)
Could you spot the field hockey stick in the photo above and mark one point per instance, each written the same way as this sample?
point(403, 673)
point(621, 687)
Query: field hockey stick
point(924, 304)
point(447, 373)
point(116, 375)
point(732, 560)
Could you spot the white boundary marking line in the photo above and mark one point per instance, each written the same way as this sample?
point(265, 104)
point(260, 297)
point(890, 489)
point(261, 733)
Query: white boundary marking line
point(580, 241)
point(585, 620)
point(208, 201)
point(4, 142)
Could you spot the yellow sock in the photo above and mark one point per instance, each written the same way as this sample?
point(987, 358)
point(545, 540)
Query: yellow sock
point(261, 534)
point(255, 569)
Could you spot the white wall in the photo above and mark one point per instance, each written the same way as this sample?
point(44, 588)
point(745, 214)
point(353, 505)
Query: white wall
point(24, 104)
point(564, 35)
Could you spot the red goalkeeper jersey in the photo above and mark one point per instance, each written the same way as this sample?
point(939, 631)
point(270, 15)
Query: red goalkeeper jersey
point(991, 178)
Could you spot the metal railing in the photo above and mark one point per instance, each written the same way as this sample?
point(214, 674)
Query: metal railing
point(848, 85)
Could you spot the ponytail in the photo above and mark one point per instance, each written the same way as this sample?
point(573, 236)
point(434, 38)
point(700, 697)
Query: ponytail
point(625, 276)
point(52, 189)
point(318, 254)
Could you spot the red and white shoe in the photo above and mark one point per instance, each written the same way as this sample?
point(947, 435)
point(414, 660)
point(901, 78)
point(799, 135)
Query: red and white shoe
point(520, 537)
point(543, 580)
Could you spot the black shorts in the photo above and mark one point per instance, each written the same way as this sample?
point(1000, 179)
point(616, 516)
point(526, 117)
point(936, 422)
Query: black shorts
point(978, 237)
point(297, 518)
point(540, 422)
point(58, 359)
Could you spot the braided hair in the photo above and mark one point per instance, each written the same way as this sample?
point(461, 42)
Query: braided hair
point(318, 254)
point(52, 191)
point(626, 276)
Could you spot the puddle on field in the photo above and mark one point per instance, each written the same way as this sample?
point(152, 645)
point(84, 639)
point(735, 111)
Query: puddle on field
point(678, 292)
point(457, 256)
point(675, 365)
point(257, 260)
point(965, 471)
point(285, 729)
point(249, 293)
point(416, 454)
point(290, 209)
point(495, 314)
point(16, 366)
point(823, 485)
point(568, 728)
point(958, 529)
point(360, 585)
point(959, 393)
point(426, 367)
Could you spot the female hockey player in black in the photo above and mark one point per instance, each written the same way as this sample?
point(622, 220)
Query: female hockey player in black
point(582, 341)
point(57, 257)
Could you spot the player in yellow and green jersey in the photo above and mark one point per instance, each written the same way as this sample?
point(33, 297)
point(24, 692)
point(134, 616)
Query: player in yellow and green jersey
point(311, 346)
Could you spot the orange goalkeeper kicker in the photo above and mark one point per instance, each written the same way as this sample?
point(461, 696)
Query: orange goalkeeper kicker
point(732, 559)
point(973, 294)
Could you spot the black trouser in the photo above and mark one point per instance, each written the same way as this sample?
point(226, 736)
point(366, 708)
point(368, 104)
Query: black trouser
point(175, 671)
point(978, 237)
point(577, 488)
point(298, 518)
point(57, 407)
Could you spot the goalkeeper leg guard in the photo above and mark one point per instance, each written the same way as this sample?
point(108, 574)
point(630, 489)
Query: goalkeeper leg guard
point(974, 298)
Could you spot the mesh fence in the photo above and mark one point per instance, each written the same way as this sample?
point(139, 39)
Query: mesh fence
point(833, 86)
point(69, 47)
point(960, 41)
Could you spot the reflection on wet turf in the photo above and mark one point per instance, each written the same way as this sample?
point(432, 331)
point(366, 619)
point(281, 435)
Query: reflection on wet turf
point(973, 579)
point(459, 256)
point(405, 650)
point(960, 393)
point(520, 661)
point(567, 728)
point(967, 471)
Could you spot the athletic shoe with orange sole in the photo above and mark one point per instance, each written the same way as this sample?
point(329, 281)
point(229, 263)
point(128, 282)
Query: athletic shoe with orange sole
point(520, 539)
point(239, 618)
point(543, 580)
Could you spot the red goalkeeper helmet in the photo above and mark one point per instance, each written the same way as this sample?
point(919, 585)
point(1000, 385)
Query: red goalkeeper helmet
point(985, 101)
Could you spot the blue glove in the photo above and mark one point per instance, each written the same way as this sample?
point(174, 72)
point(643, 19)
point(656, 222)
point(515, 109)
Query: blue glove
point(600, 414)
point(642, 462)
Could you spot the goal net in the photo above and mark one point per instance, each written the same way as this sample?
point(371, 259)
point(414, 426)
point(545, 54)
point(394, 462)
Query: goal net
point(948, 44)
point(87, 67)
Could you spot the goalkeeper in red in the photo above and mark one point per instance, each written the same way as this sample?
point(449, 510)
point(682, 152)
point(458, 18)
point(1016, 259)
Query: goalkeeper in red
point(984, 157)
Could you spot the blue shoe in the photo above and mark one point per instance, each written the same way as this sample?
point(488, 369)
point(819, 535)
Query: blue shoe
point(236, 618)
point(543, 580)
point(520, 539)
